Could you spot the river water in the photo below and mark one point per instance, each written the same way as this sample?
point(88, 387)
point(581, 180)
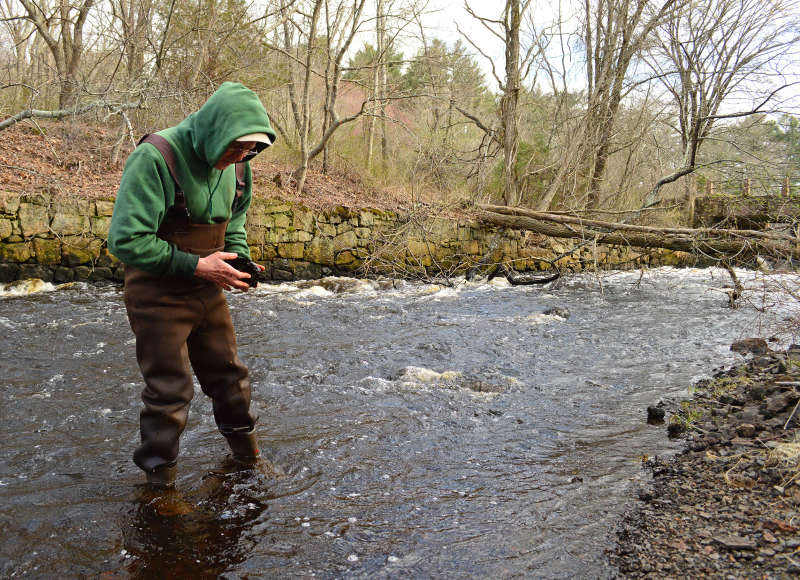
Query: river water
point(423, 431)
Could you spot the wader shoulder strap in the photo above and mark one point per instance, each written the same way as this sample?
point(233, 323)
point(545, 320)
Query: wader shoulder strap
point(240, 185)
point(168, 154)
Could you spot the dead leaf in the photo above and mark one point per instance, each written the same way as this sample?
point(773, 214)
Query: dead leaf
point(778, 526)
point(678, 545)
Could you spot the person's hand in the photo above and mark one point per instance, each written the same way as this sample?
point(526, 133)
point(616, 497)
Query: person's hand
point(215, 269)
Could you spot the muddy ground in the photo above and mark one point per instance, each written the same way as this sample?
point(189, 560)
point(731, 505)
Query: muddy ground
point(728, 506)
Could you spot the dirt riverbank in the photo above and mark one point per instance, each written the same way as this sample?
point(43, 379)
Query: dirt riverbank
point(728, 506)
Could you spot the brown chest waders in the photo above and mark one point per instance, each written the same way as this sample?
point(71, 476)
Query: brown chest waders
point(184, 324)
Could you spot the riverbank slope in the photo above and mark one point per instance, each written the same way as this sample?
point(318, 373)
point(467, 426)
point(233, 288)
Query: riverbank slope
point(728, 506)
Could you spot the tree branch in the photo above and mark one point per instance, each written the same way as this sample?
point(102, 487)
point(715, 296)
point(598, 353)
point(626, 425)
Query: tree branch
point(491, 133)
point(59, 113)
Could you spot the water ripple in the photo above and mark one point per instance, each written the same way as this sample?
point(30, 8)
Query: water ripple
point(422, 430)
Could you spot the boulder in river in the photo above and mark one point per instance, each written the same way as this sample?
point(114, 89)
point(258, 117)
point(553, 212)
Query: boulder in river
point(557, 311)
point(750, 346)
point(655, 414)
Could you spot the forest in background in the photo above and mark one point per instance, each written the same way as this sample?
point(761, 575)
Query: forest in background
point(596, 105)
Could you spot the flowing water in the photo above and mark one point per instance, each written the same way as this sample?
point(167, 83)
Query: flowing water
point(424, 431)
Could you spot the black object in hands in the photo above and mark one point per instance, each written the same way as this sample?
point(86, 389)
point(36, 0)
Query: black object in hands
point(245, 265)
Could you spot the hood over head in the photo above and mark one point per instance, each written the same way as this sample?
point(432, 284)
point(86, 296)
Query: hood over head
point(232, 112)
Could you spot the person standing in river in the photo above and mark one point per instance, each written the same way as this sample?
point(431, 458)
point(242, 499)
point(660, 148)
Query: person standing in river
point(174, 246)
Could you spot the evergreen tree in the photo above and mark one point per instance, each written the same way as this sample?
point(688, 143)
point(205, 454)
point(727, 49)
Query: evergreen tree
point(787, 132)
point(361, 64)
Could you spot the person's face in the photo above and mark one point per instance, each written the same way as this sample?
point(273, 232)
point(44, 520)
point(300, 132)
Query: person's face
point(235, 153)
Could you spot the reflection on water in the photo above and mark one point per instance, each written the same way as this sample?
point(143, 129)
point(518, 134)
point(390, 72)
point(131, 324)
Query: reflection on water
point(424, 431)
point(174, 534)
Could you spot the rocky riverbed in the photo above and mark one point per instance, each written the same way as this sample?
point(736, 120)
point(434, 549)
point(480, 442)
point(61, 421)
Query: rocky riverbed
point(728, 506)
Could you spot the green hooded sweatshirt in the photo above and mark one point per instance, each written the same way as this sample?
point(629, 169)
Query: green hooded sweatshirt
point(147, 191)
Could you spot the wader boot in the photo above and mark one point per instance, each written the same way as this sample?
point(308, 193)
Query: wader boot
point(183, 324)
point(245, 454)
point(244, 445)
point(161, 494)
point(163, 477)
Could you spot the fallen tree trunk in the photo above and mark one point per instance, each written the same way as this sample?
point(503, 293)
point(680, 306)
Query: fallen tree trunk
point(711, 243)
point(572, 219)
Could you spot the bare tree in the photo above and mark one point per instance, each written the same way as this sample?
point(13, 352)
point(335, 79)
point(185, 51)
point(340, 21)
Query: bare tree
point(61, 28)
point(315, 58)
point(379, 84)
point(507, 29)
point(134, 17)
point(301, 108)
point(376, 79)
point(509, 102)
point(614, 34)
point(621, 29)
point(20, 32)
point(384, 48)
point(713, 51)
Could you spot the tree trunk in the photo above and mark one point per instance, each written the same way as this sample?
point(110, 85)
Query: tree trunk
point(374, 93)
point(140, 32)
point(712, 243)
point(67, 50)
point(383, 65)
point(205, 40)
point(509, 104)
point(615, 32)
point(305, 128)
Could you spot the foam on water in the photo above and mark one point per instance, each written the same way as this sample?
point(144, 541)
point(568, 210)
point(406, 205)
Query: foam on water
point(25, 287)
point(99, 349)
point(541, 318)
point(314, 291)
point(6, 323)
point(341, 285)
point(281, 287)
point(499, 282)
point(420, 375)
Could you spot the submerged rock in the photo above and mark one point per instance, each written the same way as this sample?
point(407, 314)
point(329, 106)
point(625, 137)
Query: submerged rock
point(483, 387)
point(25, 287)
point(750, 346)
point(421, 375)
point(557, 311)
point(338, 284)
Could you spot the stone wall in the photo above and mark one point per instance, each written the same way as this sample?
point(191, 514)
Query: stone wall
point(55, 240)
point(59, 240)
point(745, 212)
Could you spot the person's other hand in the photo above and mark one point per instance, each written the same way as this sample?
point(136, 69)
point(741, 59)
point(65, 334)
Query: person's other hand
point(215, 269)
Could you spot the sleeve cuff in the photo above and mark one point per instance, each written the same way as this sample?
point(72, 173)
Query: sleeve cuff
point(185, 264)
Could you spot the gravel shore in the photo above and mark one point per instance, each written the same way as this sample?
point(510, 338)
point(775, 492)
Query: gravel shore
point(728, 506)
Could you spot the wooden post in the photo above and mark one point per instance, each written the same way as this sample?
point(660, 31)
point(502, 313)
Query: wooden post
point(785, 187)
point(709, 188)
point(746, 188)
